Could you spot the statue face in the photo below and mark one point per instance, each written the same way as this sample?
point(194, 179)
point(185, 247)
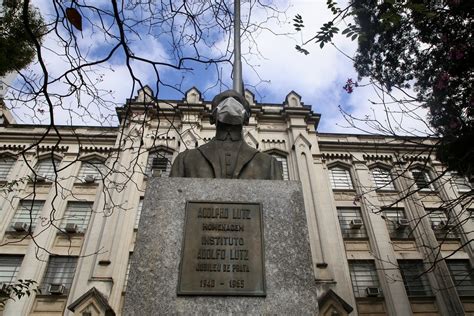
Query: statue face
point(230, 111)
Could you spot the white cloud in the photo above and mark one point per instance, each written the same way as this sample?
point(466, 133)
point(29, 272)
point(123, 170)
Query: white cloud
point(276, 68)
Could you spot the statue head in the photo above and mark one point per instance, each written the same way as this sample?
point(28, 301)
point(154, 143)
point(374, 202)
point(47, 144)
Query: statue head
point(230, 107)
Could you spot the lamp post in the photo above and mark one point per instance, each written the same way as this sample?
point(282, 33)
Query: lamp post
point(238, 83)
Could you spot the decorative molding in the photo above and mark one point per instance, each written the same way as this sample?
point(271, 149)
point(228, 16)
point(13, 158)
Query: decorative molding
point(375, 157)
point(193, 96)
point(293, 100)
point(337, 156)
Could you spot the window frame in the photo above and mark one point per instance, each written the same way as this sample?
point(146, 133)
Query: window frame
point(161, 154)
point(463, 276)
point(9, 267)
point(82, 224)
point(363, 274)
point(95, 167)
point(67, 267)
point(391, 216)
point(345, 223)
point(335, 179)
point(379, 179)
point(23, 215)
point(48, 174)
point(6, 165)
point(417, 277)
point(428, 181)
point(283, 159)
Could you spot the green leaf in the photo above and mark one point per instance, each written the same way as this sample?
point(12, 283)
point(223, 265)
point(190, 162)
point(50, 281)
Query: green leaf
point(321, 45)
point(353, 37)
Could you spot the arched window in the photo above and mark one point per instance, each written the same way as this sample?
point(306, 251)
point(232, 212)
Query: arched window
point(45, 168)
point(91, 170)
point(284, 164)
point(6, 164)
point(382, 178)
point(340, 178)
point(422, 180)
point(159, 163)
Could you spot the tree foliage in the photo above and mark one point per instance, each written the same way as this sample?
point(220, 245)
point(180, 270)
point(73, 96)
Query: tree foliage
point(17, 48)
point(422, 45)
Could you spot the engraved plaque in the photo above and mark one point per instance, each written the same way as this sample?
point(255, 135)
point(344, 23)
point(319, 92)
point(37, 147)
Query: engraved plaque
point(222, 250)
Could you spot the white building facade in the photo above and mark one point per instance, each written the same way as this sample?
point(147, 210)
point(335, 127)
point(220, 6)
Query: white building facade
point(389, 231)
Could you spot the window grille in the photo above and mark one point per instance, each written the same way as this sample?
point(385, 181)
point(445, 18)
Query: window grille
point(284, 165)
point(462, 275)
point(382, 179)
point(397, 223)
point(6, 164)
point(348, 218)
point(460, 183)
point(45, 168)
point(78, 213)
point(139, 213)
point(442, 226)
point(340, 178)
point(422, 180)
point(127, 274)
point(95, 168)
point(415, 278)
point(60, 271)
point(363, 275)
point(9, 267)
point(160, 161)
point(28, 212)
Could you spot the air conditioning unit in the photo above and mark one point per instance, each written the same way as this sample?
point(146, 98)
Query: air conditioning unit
point(445, 225)
point(71, 228)
point(56, 289)
point(20, 226)
point(373, 291)
point(89, 178)
point(403, 223)
point(41, 178)
point(356, 223)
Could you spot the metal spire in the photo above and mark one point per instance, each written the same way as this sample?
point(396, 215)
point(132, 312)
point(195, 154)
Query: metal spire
point(238, 82)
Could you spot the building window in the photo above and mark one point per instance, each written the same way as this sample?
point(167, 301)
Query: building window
point(159, 163)
point(139, 213)
point(365, 281)
point(77, 216)
point(462, 275)
point(127, 273)
point(91, 170)
point(422, 180)
point(59, 275)
point(284, 165)
point(9, 267)
point(460, 183)
point(340, 178)
point(397, 223)
point(442, 226)
point(45, 169)
point(382, 179)
point(6, 164)
point(27, 213)
point(415, 278)
point(352, 225)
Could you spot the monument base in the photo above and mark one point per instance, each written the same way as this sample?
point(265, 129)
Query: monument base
point(290, 287)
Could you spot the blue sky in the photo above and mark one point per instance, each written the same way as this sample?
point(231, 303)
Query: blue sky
point(271, 65)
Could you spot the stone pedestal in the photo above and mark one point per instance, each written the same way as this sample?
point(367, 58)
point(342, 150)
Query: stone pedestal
point(289, 279)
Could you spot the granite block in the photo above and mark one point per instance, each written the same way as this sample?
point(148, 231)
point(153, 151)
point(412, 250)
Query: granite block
point(290, 284)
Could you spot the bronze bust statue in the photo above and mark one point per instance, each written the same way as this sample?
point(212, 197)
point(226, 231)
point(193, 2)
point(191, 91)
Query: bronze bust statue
point(227, 155)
